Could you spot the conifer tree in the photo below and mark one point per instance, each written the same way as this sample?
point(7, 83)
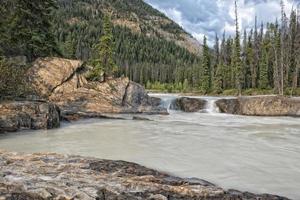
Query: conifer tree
point(293, 73)
point(237, 53)
point(297, 48)
point(205, 74)
point(264, 64)
point(218, 67)
point(256, 56)
point(103, 61)
point(276, 45)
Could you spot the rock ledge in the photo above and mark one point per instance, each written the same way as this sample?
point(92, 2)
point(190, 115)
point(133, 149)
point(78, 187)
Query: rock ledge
point(53, 176)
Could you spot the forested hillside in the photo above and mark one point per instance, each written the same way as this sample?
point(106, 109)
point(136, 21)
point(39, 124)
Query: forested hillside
point(148, 46)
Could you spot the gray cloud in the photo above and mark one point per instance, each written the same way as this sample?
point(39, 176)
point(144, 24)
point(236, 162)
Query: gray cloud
point(208, 17)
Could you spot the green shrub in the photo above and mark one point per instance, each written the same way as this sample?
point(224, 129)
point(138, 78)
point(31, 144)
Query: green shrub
point(12, 81)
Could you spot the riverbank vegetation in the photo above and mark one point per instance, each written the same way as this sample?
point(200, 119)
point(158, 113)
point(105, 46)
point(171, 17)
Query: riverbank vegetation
point(267, 62)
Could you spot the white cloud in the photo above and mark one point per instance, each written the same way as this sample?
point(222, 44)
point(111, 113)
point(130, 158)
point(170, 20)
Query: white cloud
point(207, 17)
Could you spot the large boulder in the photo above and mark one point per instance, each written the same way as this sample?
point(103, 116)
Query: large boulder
point(63, 82)
point(187, 104)
point(230, 106)
point(261, 106)
point(47, 74)
point(28, 115)
point(54, 176)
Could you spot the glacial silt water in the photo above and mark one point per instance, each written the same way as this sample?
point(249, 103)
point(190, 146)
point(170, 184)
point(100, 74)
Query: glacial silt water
point(256, 154)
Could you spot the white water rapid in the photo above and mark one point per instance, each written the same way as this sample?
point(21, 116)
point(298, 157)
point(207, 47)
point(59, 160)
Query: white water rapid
point(255, 154)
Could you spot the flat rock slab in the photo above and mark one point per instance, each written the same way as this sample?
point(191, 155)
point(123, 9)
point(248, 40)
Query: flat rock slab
point(54, 176)
point(261, 106)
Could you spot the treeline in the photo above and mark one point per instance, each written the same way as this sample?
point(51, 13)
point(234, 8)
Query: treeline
point(263, 60)
point(267, 59)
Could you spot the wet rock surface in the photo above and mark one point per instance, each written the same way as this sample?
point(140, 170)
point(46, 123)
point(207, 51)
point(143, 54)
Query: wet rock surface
point(63, 82)
point(261, 106)
point(53, 176)
point(16, 115)
point(187, 104)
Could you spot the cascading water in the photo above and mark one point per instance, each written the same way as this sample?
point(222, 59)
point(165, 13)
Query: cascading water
point(211, 106)
point(167, 102)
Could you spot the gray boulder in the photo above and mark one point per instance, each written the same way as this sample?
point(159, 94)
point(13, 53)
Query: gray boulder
point(187, 104)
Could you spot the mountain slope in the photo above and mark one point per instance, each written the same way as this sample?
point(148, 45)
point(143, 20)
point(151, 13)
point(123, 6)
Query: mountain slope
point(136, 15)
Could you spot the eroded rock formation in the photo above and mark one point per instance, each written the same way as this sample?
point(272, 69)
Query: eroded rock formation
point(53, 176)
point(28, 115)
point(63, 82)
point(261, 106)
point(187, 104)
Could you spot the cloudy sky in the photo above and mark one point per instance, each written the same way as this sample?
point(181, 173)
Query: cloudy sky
point(208, 17)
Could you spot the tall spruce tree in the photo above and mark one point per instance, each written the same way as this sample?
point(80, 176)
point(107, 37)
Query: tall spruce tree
point(293, 73)
point(264, 65)
point(218, 67)
point(237, 55)
point(297, 47)
point(103, 61)
point(205, 84)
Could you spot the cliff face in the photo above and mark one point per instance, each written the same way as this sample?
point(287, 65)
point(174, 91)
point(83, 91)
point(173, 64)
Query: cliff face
point(53, 176)
point(63, 82)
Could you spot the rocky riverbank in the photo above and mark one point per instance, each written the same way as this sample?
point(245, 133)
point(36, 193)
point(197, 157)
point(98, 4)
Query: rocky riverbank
point(250, 106)
point(63, 92)
point(261, 106)
point(64, 83)
point(53, 176)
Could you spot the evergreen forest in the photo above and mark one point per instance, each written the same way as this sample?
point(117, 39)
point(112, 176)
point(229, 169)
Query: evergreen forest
point(262, 60)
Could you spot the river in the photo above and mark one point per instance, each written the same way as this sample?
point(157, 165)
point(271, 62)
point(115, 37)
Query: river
point(256, 154)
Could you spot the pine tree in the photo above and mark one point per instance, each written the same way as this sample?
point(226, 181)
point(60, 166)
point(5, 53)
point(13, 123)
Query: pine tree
point(255, 65)
point(236, 57)
point(205, 74)
point(218, 67)
point(264, 64)
point(103, 61)
point(297, 48)
point(293, 73)
point(283, 30)
point(250, 54)
point(276, 45)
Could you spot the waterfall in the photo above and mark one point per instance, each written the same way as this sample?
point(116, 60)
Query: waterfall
point(211, 106)
point(166, 102)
